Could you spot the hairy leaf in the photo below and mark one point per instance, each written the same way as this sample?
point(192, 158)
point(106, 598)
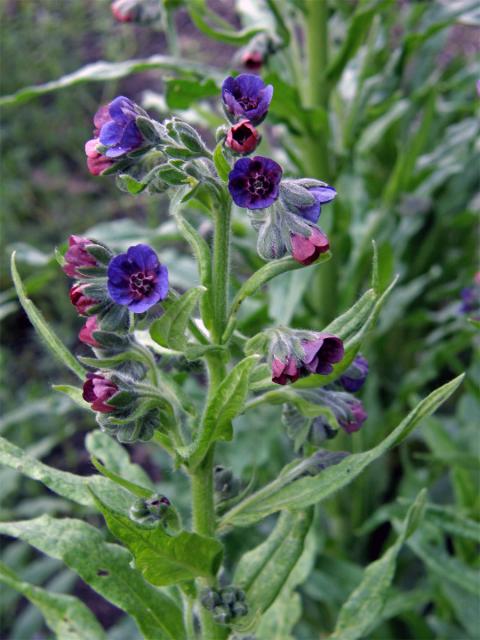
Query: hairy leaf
point(169, 330)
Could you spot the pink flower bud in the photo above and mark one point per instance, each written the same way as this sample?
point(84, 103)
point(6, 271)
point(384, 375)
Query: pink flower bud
point(77, 256)
point(307, 250)
point(242, 137)
point(86, 332)
point(97, 390)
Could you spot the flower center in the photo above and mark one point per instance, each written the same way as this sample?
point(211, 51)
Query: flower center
point(141, 284)
point(258, 185)
point(242, 134)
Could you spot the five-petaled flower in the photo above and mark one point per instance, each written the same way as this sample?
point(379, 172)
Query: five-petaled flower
point(116, 128)
point(77, 256)
point(86, 332)
point(137, 279)
point(80, 300)
point(97, 390)
point(254, 182)
point(242, 137)
point(307, 249)
point(246, 96)
point(354, 377)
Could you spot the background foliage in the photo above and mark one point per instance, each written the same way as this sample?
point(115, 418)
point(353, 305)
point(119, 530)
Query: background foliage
point(403, 155)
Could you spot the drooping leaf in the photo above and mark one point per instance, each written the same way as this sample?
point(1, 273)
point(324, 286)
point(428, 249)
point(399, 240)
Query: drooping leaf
point(224, 406)
point(63, 483)
point(163, 559)
point(181, 93)
point(169, 330)
point(104, 71)
point(106, 568)
point(221, 164)
point(66, 615)
point(53, 343)
point(365, 604)
point(304, 492)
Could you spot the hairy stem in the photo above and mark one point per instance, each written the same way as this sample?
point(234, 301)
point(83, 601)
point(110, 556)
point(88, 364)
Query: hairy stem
point(221, 267)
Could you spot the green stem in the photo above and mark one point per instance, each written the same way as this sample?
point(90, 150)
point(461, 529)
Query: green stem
point(221, 268)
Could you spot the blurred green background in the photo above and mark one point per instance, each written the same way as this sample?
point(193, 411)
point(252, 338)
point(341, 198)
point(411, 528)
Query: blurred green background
point(411, 114)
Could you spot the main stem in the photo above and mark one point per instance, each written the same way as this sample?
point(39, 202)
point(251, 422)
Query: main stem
point(203, 505)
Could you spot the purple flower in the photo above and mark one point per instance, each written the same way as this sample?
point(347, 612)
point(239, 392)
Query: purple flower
point(254, 182)
point(354, 377)
point(321, 353)
point(322, 195)
point(471, 297)
point(357, 417)
point(117, 126)
point(137, 279)
point(77, 256)
point(97, 390)
point(294, 356)
point(82, 302)
point(246, 96)
point(307, 249)
point(86, 332)
point(242, 137)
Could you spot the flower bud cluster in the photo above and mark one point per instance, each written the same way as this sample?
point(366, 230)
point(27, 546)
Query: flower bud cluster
point(226, 604)
point(225, 484)
point(151, 510)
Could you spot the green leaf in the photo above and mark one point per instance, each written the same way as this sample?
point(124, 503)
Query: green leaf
point(181, 93)
point(68, 485)
point(169, 330)
point(304, 492)
point(53, 343)
point(263, 571)
point(224, 406)
point(163, 559)
point(235, 37)
point(258, 279)
point(363, 607)
point(136, 489)
point(221, 165)
point(104, 71)
point(74, 393)
point(106, 568)
point(66, 615)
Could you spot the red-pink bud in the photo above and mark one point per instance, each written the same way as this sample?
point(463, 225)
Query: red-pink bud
point(86, 332)
point(97, 390)
point(284, 372)
point(77, 256)
point(242, 137)
point(121, 13)
point(80, 301)
point(252, 60)
point(96, 162)
point(307, 250)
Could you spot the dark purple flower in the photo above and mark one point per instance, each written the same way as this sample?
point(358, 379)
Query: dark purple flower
point(307, 249)
point(322, 195)
point(357, 417)
point(86, 332)
point(77, 256)
point(321, 353)
point(246, 96)
point(242, 137)
point(354, 377)
point(284, 372)
point(254, 182)
point(97, 390)
point(471, 297)
point(118, 130)
point(82, 302)
point(137, 279)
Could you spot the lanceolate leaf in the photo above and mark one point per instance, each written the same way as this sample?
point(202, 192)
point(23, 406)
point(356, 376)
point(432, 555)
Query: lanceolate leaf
point(103, 71)
point(66, 615)
point(263, 571)
point(224, 406)
point(106, 568)
point(169, 330)
point(365, 604)
point(67, 485)
point(306, 491)
point(53, 343)
point(165, 559)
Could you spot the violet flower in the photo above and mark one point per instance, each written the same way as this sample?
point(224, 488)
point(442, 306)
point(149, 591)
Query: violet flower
point(355, 420)
point(97, 390)
point(254, 182)
point(246, 96)
point(354, 377)
point(137, 279)
point(322, 195)
point(118, 130)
